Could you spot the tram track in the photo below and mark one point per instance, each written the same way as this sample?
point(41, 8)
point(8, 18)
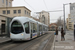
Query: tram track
point(23, 45)
point(49, 43)
point(5, 43)
point(28, 44)
point(36, 43)
point(10, 45)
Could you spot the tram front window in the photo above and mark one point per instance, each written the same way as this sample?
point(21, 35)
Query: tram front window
point(16, 27)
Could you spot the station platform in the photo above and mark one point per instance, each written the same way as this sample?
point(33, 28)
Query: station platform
point(4, 39)
point(68, 44)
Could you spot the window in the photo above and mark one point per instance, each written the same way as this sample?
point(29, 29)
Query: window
point(8, 11)
point(43, 28)
point(2, 1)
point(26, 25)
point(3, 21)
point(14, 16)
point(69, 22)
point(4, 12)
point(29, 14)
point(25, 11)
point(16, 27)
point(34, 27)
point(70, 26)
point(40, 27)
point(6, 2)
point(9, 3)
point(31, 27)
point(43, 19)
point(14, 11)
point(19, 11)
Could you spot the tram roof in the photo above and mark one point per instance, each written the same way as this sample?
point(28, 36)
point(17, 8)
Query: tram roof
point(24, 19)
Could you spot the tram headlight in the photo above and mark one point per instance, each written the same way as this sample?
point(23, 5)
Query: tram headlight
point(22, 34)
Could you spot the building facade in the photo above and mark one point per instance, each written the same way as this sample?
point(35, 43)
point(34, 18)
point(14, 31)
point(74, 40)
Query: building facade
point(52, 26)
point(44, 17)
point(15, 11)
point(69, 24)
point(7, 12)
point(72, 13)
point(6, 3)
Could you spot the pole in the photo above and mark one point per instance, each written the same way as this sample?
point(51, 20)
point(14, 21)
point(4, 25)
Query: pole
point(74, 31)
point(64, 17)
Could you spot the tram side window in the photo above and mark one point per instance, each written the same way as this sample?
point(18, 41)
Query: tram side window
point(34, 27)
point(41, 27)
point(26, 27)
point(45, 28)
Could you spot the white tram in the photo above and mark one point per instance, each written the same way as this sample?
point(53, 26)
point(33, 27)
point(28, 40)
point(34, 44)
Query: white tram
point(24, 28)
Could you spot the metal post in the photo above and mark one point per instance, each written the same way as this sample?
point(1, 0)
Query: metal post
point(64, 17)
point(74, 31)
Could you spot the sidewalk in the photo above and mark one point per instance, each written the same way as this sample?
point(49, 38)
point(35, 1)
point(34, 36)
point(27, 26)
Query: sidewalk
point(68, 44)
point(4, 39)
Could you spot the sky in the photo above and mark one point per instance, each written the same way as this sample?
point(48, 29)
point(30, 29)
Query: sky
point(46, 5)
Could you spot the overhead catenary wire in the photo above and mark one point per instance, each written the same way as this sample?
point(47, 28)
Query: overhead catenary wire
point(45, 4)
point(29, 5)
point(50, 11)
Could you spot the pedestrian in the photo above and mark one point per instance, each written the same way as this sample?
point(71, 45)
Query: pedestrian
point(56, 35)
point(62, 35)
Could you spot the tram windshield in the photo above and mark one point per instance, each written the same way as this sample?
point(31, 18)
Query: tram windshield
point(16, 27)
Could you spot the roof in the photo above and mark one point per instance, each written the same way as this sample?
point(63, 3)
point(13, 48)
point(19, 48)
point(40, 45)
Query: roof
point(5, 16)
point(15, 7)
point(52, 24)
point(35, 19)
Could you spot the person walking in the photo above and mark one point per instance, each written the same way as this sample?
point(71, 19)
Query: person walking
point(56, 34)
point(62, 35)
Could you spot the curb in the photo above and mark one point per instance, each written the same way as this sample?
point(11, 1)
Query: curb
point(52, 48)
point(6, 41)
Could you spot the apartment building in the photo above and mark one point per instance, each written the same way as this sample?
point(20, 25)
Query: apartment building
point(44, 17)
point(6, 3)
point(69, 24)
point(15, 11)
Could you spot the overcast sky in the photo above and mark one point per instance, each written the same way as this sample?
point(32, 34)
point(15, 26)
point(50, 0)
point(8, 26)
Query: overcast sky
point(51, 5)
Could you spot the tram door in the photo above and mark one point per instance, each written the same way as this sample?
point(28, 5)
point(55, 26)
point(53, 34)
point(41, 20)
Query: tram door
point(31, 30)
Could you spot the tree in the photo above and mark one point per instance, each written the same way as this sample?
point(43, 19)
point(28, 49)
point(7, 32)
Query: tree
point(59, 22)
